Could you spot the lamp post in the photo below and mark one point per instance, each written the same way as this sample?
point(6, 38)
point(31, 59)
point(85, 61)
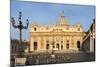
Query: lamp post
point(20, 27)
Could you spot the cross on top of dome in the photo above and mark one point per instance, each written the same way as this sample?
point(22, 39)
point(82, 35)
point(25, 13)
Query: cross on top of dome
point(62, 14)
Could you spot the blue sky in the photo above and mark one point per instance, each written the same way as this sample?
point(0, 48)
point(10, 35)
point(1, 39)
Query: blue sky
point(48, 13)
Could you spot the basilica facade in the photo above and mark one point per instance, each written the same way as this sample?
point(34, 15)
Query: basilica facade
point(61, 36)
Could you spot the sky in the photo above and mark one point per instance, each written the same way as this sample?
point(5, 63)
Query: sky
point(48, 14)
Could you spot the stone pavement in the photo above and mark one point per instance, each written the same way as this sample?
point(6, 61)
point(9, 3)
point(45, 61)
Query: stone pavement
point(45, 58)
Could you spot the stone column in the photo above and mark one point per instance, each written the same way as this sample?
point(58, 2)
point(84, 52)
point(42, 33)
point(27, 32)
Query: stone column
point(64, 43)
point(31, 44)
point(38, 43)
point(91, 44)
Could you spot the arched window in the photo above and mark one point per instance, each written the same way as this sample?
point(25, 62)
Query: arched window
point(47, 46)
point(78, 45)
point(35, 46)
point(61, 47)
point(67, 46)
point(53, 46)
point(67, 41)
point(57, 46)
point(34, 28)
point(61, 41)
point(47, 41)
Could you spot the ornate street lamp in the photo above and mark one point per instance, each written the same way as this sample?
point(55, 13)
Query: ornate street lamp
point(20, 27)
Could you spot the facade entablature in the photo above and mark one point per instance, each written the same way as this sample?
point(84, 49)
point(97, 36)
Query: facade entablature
point(57, 34)
point(45, 29)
